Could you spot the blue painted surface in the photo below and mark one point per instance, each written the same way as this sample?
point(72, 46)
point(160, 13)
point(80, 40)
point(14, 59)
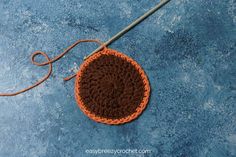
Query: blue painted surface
point(188, 50)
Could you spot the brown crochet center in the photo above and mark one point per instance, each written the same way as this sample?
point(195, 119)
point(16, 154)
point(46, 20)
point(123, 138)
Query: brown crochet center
point(111, 87)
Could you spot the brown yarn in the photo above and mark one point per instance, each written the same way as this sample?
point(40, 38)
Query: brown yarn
point(111, 87)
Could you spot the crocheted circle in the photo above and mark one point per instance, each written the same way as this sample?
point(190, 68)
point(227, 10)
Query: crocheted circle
point(111, 88)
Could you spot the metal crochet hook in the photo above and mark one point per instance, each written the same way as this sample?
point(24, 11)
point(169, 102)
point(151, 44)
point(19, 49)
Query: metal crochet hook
point(130, 26)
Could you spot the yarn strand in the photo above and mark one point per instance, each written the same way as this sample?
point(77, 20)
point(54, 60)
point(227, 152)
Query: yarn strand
point(50, 62)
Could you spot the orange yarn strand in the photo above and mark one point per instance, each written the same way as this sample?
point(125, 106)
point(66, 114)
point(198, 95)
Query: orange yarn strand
point(49, 62)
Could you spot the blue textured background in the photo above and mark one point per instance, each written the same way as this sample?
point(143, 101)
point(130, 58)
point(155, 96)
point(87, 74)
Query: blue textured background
point(188, 50)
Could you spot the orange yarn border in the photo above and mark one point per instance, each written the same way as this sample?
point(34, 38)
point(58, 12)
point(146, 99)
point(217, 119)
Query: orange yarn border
point(96, 118)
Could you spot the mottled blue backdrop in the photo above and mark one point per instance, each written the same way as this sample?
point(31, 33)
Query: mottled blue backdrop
point(188, 50)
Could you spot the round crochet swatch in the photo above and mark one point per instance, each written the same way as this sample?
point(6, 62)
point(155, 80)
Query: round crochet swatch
point(111, 88)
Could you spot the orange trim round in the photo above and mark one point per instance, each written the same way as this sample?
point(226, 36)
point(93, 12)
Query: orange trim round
point(96, 118)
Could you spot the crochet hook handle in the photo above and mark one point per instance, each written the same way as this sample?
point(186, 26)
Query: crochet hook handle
point(133, 24)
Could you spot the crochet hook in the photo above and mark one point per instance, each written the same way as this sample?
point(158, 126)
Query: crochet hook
point(130, 26)
point(51, 61)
